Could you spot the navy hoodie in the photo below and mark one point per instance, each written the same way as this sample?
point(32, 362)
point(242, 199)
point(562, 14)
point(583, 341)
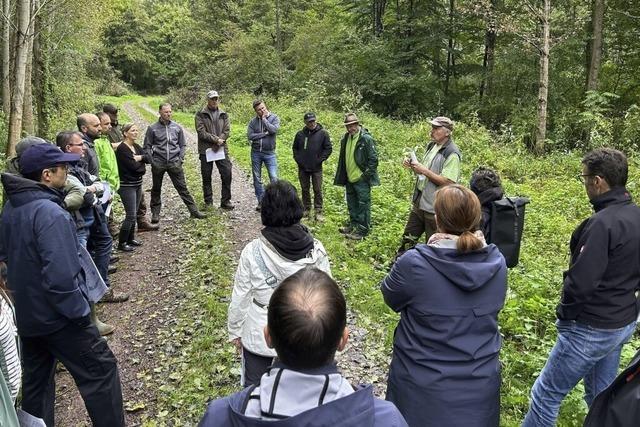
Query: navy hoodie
point(446, 345)
point(39, 244)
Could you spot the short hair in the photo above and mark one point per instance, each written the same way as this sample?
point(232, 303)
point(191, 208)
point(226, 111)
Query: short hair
point(164, 104)
point(609, 164)
point(110, 109)
point(101, 114)
point(280, 205)
point(483, 179)
point(307, 315)
point(81, 120)
point(458, 212)
point(257, 102)
point(64, 138)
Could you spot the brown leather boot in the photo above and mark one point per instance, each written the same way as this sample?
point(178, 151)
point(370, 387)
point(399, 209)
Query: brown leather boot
point(147, 226)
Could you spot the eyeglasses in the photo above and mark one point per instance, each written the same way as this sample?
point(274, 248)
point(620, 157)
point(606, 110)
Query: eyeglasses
point(581, 177)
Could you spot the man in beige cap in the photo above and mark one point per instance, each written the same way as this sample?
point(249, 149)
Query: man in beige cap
point(357, 172)
point(440, 166)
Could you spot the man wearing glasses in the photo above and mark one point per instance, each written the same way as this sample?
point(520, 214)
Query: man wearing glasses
point(439, 167)
point(598, 308)
point(38, 242)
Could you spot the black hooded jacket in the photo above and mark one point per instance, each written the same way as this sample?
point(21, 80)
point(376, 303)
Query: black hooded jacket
point(311, 148)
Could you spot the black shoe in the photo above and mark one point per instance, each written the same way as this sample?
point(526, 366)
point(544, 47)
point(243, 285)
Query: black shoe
point(112, 269)
point(155, 218)
point(259, 207)
point(198, 215)
point(145, 226)
point(114, 259)
point(227, 206)
point(125, 248)
point(134, 243)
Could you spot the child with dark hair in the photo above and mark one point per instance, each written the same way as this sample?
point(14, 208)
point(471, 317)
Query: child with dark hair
point(486, 184)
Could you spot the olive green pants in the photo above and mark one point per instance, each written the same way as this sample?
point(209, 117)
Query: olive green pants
point(359, 206)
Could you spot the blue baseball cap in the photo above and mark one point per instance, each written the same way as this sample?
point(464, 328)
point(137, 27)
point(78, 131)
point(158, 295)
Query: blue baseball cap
point(42, 156)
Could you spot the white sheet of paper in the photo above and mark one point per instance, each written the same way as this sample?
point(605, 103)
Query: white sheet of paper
point(212, 156)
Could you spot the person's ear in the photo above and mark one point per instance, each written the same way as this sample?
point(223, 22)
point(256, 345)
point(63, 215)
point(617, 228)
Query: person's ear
point(344, 339)
point(267, 336)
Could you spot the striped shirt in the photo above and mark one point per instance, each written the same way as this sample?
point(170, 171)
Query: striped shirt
point(9, 357)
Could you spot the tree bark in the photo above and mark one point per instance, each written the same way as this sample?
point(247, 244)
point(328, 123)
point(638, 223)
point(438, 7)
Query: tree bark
point(450, 60)
point(543, 82)
point(23, 11)
point(6, 57)
point(489, 51)
point(40, 80)
point(595, 53)
point(379, 7)
point(28, 126)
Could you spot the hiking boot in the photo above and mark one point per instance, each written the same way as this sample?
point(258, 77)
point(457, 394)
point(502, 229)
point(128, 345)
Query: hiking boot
point(354, 236)
point(227, 206)
point(346, 229)
point(112, 269)
point(111, 296)
point(125, 247)
point(114, 259)
point(145, 226)
point(155, 218)
point(134, 242)
point(319, 217)
point(306, 214)
point(259, 207)
point(103, 328)
point(198, 215)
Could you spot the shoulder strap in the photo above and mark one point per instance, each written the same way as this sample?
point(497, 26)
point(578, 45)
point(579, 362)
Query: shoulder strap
point(269, 278)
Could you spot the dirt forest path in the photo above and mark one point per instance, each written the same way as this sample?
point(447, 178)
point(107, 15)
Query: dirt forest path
point(149, 275)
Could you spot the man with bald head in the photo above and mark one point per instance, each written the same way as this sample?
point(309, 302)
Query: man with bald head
point(89, 127)
point(307, 318)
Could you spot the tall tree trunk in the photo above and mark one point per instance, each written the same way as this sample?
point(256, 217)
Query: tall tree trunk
point(595, 53)
point(543, 82)
point(40, 75)
point(23, 12)
point(27, 107)
point(379, 7)
point(489, 51)
point(450, 60)
point(6, 57)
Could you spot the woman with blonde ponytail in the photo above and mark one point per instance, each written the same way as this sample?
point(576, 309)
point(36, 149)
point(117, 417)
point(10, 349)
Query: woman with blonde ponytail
point(445, 368)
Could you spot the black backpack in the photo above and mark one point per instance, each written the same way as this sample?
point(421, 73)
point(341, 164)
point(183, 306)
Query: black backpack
point(619, 404)
point(507, 222)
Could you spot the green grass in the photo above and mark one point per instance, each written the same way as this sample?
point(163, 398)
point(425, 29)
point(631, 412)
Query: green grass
point(558, 204)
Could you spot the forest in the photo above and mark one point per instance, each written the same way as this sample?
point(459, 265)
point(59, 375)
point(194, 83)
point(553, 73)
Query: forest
point(531, 84)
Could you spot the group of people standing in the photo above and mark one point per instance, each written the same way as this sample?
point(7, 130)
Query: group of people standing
point(287, 316)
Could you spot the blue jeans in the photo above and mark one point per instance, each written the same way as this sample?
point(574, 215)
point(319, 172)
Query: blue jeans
point(270, 161)
point(580, 352)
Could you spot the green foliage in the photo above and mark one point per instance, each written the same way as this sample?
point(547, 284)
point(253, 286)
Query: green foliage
point(558, 204)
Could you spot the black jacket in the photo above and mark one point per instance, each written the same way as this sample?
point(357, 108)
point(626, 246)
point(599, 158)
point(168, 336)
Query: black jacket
point(130, 171)
point(599, 286)
point(311, 148)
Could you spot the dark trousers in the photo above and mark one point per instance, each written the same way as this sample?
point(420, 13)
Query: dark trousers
point(179, 183)
point(419, 222)
point(100, 243)
point(306, 180)
point(130, 197)
point(141, 214)
point(90, 362)
point(359, 206)
point(253, 367)
point(206, 169)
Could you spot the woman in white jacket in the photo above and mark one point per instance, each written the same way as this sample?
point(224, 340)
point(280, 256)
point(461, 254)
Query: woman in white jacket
point(284, 247)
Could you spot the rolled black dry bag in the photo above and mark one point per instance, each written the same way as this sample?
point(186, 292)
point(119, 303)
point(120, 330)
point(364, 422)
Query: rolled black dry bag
point(507, 222)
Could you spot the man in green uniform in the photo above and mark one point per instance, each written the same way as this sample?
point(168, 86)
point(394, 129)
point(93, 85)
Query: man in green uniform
point(357, 172)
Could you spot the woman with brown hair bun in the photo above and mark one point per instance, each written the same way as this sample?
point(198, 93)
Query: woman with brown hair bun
point(445, 368)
